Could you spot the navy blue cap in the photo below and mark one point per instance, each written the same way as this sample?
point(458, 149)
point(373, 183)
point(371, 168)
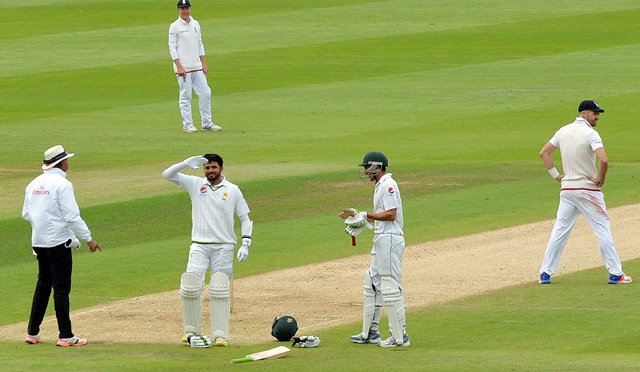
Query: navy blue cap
point(184, 4)
point(589, 105)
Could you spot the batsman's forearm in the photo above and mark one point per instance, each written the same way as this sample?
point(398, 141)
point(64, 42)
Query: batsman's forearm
point(171, 173)
point(389, 215)
point(247, 225)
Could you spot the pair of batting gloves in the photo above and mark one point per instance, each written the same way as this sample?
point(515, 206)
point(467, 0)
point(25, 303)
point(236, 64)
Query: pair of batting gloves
point(306, 341)
point(356, 222)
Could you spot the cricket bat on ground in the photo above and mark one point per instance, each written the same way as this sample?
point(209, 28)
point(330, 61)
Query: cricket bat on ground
point(275, 353)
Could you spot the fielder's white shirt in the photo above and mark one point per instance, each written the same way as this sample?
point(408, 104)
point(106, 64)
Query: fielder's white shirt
point(213, 208)
point(386, 197)
point(578, 142)
point(185, 43)
point(51, 207)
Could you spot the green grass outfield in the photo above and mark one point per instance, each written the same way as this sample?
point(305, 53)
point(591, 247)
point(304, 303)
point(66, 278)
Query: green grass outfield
point(460, 95)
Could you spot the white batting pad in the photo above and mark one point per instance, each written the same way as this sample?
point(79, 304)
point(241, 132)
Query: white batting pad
point(395, 307)
point(219, 294)
point(369, 307)
point(191, 286)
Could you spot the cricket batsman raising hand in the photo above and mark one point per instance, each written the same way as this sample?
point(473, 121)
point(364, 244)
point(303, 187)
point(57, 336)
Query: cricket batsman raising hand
point(382, 278)
point(214, 203)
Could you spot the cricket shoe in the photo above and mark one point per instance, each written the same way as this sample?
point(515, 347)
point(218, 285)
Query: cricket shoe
point(32, 339)
point(372, 338)
point(391, 342)
point(545, 278)
point(620, 279)
point(212, 128)
point(221, 342)
point(72, 341)
point(200, 341)
point(187, 338)
point(189, 129)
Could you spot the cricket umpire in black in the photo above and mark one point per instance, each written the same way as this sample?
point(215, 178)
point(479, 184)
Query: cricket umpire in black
point(56, 227)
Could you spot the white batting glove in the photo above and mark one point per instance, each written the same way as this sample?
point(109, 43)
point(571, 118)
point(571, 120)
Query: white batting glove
point(243, 251)
point(72, 243)
point(195, 162)
point(306, 341)
point(200, 342)
point(350, 211)
point(359, 220)
point(354, 231)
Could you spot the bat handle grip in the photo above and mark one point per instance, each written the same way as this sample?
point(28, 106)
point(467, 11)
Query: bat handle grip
point(242, 360)
point(353, 240)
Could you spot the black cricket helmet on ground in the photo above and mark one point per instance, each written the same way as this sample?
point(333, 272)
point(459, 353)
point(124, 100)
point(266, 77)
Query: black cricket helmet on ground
point(284, 328)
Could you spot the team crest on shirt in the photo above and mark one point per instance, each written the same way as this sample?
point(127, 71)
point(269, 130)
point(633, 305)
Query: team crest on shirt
point(225, 195)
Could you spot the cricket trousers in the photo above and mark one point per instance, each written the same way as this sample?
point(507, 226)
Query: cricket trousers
point(589, 203)
point(54, 272)
point(195, 81)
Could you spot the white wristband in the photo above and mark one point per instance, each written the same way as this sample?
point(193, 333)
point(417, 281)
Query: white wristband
point(554, 173)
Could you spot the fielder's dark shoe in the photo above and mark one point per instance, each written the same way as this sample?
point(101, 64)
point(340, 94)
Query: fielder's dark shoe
point(545, 278)
point(620, 279)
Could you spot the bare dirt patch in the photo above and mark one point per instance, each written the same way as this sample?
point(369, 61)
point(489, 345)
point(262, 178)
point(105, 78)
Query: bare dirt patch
point(329, 294)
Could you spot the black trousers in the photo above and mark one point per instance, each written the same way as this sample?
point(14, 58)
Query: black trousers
point(54, 272)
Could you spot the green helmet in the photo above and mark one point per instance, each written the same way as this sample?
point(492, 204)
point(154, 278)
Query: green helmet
point(284, 328)
point(375, 157)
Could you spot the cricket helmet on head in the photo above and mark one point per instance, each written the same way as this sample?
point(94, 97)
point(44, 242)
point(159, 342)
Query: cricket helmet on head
point(374, 162)
point(374, 157)
point(284, 328)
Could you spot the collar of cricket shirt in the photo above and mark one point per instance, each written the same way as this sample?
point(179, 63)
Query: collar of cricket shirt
point(215, 187)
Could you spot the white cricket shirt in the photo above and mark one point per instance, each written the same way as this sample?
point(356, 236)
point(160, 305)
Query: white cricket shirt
point(577, 142)
point(51, 207)
point(185, 42)
point(213, 208)
point(386, 197)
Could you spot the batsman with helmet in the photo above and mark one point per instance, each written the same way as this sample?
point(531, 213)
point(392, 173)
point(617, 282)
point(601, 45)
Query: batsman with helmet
point(382, 282)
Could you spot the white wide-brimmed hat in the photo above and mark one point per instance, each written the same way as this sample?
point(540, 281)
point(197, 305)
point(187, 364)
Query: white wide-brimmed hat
point(53, 156)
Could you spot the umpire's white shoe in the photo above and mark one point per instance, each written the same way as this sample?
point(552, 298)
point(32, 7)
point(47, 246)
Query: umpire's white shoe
point(72, 341)
point(372, 338)
point(391, 342)
point(189, 129)
point(32, 339)
point(212, 128)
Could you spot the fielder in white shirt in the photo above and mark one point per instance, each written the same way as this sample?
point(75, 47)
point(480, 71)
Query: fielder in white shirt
point(50, 206)
point(382, 280)
point(580, 191)
point(214, 203)
point(190, 65)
